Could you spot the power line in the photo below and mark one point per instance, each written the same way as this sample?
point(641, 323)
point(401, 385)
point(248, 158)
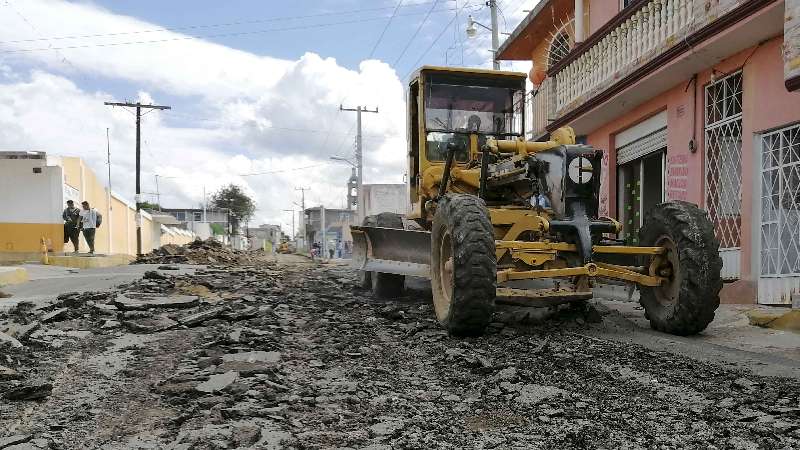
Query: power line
point(218, 35)
point(35, 30)
point(413, 36)
point(212, 25)
point(380, 38)
point(441, 33)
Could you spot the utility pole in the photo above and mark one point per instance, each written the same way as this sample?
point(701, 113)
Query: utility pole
point(360, 212)
point(108, 196)
point(158, 194)
point(303, 213)
point(324, 238)
point(291, 211)
point(138, 107)
point(495, 34)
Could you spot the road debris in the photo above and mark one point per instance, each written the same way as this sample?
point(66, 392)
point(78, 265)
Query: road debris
point(297, 355)
point(209, 251)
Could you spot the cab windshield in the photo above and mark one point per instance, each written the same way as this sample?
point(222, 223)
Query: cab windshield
point(458, 106)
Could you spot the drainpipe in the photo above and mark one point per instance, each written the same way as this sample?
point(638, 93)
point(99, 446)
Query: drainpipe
point(579, 29)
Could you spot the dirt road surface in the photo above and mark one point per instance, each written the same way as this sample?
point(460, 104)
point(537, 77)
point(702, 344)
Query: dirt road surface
point(293, 354)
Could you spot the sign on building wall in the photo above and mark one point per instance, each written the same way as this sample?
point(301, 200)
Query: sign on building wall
point(677, 177)
point(791, 45)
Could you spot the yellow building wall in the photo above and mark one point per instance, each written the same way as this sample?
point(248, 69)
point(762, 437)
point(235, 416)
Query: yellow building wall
point(119, 217)
point(26, 237)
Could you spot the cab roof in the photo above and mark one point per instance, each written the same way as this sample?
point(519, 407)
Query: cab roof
point(466, 71)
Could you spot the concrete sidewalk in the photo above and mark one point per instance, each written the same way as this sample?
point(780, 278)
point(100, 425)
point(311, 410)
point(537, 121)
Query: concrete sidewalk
point(729, 338)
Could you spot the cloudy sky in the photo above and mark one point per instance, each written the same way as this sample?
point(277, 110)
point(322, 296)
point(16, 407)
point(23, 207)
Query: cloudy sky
point(254, 87)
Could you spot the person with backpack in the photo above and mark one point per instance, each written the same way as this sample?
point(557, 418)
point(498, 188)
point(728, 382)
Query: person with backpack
point(90, 222)
point(71, 216)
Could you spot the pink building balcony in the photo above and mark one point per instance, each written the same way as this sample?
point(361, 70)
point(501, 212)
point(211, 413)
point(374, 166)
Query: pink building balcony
point(650, 44)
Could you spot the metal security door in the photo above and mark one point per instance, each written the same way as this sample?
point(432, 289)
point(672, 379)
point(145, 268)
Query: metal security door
point(723, 183)
point(780, 216)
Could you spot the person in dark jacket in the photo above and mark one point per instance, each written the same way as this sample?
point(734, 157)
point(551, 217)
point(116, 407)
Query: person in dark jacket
point(71, 216)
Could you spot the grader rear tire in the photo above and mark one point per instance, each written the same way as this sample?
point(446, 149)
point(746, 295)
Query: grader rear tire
point(463, 265)
point(387, 285)
point(685, 304)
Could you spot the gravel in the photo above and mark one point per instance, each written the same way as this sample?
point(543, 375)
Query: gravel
point(297, 356)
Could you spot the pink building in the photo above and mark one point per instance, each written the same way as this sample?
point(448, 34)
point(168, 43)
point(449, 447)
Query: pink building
point(691, 100)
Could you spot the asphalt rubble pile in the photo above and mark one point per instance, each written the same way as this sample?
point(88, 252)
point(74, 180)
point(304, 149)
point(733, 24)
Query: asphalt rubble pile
point(265, 356)
point(209, 251)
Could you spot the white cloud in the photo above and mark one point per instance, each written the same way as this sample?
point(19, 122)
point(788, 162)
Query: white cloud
point(255, 106)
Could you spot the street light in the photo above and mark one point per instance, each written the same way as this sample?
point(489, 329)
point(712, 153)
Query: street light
point(472, 31)
point(339, 158)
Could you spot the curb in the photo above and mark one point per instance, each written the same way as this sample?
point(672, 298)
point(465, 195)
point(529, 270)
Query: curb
point(785, 321)
point(12, 275)
point(91, 262)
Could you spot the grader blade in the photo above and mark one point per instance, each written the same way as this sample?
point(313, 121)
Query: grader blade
point(391, 250)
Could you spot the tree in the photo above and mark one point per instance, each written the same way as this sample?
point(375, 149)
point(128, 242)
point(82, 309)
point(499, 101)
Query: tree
point(150, 206)
point(240, 205)
point(217, 229)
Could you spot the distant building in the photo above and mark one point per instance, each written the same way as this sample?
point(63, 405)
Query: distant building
point(193, 219)
point(265, 237)
point(337, 226)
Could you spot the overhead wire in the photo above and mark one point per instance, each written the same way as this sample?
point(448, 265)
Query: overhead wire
point(413, 36)
point(212, 25)
point(218, 35)
point(441, 33)
point(389, 22)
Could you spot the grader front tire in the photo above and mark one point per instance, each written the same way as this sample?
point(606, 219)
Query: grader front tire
point(463, 265)
point(685, 304)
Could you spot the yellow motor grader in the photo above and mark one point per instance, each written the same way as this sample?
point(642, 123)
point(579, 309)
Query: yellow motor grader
point(496, 217)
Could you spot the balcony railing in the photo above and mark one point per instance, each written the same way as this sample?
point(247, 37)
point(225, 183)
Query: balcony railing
point(539, 110)
point(640, 33)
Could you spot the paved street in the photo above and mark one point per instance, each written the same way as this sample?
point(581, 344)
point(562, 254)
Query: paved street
point(292, 354)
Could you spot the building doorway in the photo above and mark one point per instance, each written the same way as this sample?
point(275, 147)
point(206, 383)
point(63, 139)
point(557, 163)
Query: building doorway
point(723, 155)
point(640, 187)
point(779, 252)
point(641, 169)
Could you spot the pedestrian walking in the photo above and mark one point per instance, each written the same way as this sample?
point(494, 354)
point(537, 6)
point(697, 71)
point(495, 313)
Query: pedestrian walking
point(72, 233)
point(90, 221)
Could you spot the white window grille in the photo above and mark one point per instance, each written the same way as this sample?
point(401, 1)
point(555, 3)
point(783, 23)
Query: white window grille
point(561, 42)
point(723, 142)
point(780, 202)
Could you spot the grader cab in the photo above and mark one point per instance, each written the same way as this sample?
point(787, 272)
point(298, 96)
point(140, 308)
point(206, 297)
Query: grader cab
point(496, 217)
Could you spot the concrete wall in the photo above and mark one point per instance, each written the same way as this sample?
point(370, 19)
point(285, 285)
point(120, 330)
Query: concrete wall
point(600, 12)
point(33, 203)
point(766, 105)
point(380, 198)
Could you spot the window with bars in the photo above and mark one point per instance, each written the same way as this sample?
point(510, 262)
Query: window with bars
point(780, 202)
point(723, 145)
